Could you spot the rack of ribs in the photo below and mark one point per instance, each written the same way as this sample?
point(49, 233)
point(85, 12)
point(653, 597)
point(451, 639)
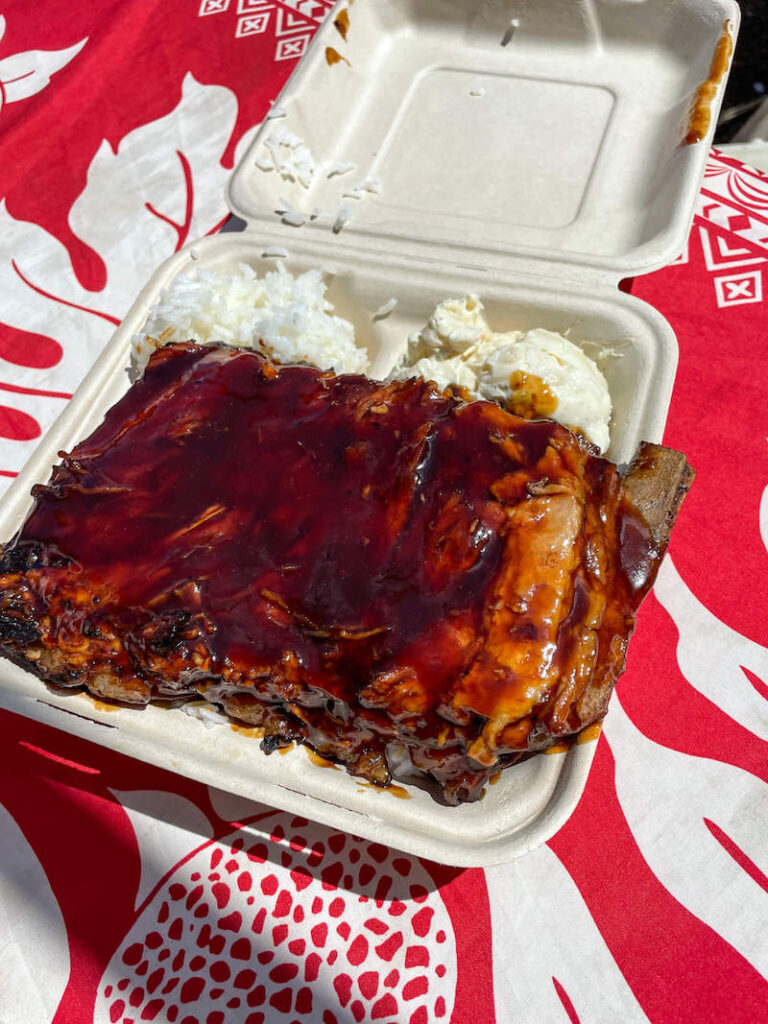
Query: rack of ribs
point(364, 568)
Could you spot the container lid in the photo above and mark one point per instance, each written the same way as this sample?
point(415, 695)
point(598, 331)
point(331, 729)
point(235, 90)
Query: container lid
point(565, 138)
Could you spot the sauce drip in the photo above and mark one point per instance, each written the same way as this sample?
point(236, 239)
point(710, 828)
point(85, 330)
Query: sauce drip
point(700, 118)
point(341, 23)
point(319, 760)
point(399, 792)
point(253, 731)
point(334, 57)
point(587, 735)
point(590, 734)
point(100, 705)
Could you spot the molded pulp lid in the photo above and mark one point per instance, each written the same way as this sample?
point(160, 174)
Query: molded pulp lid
point(545, 137)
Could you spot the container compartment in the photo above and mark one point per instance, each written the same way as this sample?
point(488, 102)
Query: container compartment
point(528, 151)
point(550, 131)
point(531, 800)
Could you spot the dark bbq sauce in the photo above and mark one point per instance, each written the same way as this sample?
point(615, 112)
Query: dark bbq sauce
point(291, 511)
point(339, 561)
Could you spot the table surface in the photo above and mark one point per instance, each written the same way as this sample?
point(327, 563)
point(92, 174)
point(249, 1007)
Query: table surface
point(128, 893)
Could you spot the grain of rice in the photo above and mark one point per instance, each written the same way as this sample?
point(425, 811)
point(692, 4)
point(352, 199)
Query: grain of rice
point(513, 26)
point(206, 713)
point(343, 217)
point(294, 219)
point(290, 156)
point(304, 176)
point(340, 168)
point(385, 309)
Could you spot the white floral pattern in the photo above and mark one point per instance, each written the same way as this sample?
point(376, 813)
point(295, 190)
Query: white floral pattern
point(24, 74)
point(32, 933)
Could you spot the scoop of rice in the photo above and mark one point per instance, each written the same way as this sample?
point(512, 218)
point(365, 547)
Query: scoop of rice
point(287, 318)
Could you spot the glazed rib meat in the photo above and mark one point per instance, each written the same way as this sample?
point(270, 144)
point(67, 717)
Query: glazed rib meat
point(370, 569)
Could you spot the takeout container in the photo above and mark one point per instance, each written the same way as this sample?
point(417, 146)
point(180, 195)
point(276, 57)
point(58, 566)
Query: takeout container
point(531, 152)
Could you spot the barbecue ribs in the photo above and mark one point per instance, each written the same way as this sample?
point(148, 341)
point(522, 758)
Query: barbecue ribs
point(357, 566)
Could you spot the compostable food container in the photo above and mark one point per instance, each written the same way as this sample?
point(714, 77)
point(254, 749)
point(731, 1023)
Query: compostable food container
point(534, 153)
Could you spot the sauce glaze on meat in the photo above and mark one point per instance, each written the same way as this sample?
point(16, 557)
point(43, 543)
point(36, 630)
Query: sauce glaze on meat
point(345, 563)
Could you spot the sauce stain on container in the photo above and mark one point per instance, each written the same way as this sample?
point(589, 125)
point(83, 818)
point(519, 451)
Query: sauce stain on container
point(400, 792)
point(591, 733)
point(341, 23)
point(319, 760)
point(700, 117)
point(588, 735)
point(558, 748)
point(254, 731)
point(334, 57)
point(99, 705)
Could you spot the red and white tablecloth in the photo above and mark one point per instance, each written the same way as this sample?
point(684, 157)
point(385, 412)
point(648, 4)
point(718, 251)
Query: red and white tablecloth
point(130, 894)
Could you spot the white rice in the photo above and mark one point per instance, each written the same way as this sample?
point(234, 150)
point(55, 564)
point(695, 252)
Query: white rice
point(371, 186)
point(206, 713)
point(385, 309)
point(513, 26)
point(290, 320)
point(294, 219)
point(289, 155)
point(343, 217)
point(289, 215)
point(287, 318)
point(340, 168)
